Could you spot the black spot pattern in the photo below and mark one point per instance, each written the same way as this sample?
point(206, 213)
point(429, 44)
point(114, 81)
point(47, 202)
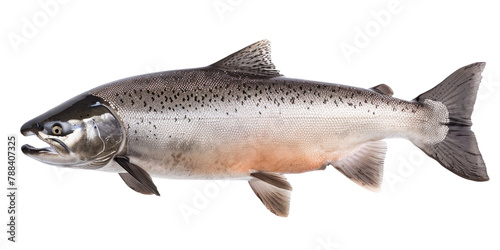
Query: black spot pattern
point(189, 95)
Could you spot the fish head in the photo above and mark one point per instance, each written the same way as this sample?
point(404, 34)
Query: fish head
point(82, 132)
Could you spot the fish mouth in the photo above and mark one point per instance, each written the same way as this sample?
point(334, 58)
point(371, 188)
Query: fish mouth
point(30, 150)
point(34, 128)
point(55, 154)
point(30, 129)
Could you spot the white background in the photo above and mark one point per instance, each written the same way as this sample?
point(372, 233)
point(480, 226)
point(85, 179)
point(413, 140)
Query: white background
point(81, 44)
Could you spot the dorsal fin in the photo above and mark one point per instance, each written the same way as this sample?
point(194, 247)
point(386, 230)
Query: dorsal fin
point(383, 89)
point(254, 59)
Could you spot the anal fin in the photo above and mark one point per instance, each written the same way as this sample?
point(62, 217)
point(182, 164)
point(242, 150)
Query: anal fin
point(273, 190)
point(364, 164)
point(137, 178)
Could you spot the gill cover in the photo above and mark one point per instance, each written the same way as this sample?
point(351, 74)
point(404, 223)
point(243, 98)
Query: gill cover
point(82, 132)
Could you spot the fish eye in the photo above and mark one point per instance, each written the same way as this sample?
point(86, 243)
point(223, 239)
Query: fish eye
point(57, 129)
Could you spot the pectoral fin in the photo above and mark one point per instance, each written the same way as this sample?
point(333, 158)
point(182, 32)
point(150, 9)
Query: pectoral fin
point(134, 184)
point(136, 178)
point(273, 190)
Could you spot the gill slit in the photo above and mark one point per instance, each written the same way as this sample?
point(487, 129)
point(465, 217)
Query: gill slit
point(99, 135)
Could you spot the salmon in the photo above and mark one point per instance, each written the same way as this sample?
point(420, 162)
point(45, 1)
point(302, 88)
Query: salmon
point(239, 118)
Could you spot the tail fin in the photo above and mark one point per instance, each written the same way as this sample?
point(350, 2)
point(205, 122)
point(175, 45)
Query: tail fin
point(458, 152)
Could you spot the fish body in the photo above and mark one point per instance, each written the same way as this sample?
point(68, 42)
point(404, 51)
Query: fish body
point(226, 126)
point(239, 118)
